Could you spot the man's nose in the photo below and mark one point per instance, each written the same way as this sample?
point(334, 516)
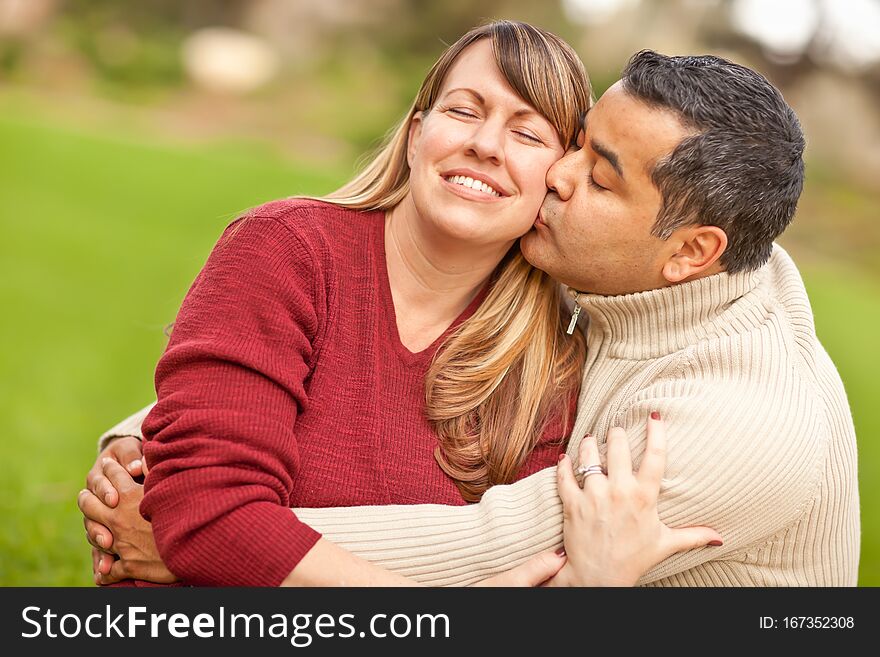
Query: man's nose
point(560, 176)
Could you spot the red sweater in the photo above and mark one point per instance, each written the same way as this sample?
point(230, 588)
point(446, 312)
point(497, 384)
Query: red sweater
point(285, 384)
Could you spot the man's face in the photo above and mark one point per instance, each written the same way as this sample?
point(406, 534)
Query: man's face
point(594, 229)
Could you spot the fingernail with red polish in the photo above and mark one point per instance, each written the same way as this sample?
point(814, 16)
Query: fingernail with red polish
point(716, 543)
point(655, 415)
point(561, 456)
point(561, 552)
point(589, 435)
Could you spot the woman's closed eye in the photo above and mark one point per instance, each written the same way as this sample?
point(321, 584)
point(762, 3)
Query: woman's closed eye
point(525, 134)
point(462, 111)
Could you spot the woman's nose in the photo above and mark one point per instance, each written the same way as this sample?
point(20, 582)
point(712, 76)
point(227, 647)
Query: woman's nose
point(487, 141)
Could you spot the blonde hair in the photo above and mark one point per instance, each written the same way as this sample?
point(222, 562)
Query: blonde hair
point(508, 371)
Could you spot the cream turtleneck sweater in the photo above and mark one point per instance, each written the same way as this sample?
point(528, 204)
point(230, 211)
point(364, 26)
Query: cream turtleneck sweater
point(761, 445)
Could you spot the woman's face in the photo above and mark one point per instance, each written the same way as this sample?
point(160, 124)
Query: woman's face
point(480, 157)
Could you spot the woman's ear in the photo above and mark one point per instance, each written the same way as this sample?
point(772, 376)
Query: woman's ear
point(699, 253)
point(415, 132)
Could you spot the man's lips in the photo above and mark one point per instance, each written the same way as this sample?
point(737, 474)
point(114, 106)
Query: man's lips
point(550, 206)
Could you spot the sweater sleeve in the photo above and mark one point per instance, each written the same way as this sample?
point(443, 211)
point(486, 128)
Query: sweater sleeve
point(748, 469)
point(130, 426)
point(220, 439)
point(740, 460)
point(451, 545)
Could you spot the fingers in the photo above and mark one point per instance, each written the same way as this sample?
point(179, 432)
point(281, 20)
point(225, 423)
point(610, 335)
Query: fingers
point(101, 562)
point(104, 562)
point(566, 484)
point(126, 450)
point(654, 461)
point(93, 508)
point(129, 452)
point(588, 451)
point(98, 535)
point(688, 538)
point(155, 571)
point(588, 454)
point(537, 570)
point(101, 486)
point(118, 572)
point(618, 455)
point(118, 476)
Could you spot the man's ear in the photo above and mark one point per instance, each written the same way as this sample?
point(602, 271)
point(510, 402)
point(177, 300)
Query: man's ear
point(699, 252)
point(415, 132)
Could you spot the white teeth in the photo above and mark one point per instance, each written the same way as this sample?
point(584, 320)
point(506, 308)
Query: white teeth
point(477, 185)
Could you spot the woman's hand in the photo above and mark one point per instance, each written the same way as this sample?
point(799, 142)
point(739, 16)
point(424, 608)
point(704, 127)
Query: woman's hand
point(613, 533)
point(534, 572)
point(131, 536)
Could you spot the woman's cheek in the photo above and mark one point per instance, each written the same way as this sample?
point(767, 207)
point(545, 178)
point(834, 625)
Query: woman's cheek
point(535, 184)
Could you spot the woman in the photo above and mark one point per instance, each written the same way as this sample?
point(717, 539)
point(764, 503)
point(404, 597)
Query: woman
point(412, 267)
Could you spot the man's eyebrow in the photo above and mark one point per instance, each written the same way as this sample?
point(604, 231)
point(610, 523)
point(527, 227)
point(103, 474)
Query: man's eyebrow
point(609, 155)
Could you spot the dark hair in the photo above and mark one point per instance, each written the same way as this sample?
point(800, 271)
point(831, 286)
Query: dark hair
point(743, 171)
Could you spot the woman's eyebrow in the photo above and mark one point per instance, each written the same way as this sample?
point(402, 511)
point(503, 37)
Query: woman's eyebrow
point(477, 95)
point(524, 110)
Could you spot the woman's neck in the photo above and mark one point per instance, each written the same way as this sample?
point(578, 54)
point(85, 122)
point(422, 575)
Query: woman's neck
point(432, 277)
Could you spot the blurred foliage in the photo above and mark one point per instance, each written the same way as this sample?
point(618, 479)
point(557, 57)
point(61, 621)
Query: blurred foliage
point(130, 47)
point(11, 52)
point(121, 57)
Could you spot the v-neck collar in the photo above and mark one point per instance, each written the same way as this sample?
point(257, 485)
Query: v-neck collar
point(409, 358)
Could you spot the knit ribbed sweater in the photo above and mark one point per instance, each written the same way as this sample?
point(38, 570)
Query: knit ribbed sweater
point(761, 445)
point(285, 384)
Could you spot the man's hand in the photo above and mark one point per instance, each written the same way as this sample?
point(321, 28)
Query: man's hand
point(613, 533)
point(131, 536)
point(127, 451)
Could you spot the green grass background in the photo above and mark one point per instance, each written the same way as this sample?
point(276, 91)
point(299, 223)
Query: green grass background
point(100, 239)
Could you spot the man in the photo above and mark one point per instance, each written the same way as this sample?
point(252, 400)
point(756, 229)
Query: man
point(662, 223)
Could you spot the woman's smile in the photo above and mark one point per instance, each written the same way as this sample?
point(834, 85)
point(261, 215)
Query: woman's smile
point(473, 186)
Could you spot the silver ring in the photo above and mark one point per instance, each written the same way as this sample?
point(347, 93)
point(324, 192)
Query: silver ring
point(587, 470)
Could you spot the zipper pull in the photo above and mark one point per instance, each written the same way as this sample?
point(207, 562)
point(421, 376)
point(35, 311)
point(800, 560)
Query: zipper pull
point(574, 315)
